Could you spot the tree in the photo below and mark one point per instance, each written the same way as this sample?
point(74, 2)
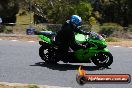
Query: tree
point(8, 10)
point(57, 11)
point(113, 10)
point(83, 9)
point(130, 11)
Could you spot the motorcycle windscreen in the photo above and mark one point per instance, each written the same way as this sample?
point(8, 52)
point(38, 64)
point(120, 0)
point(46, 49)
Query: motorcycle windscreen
point(80, 38)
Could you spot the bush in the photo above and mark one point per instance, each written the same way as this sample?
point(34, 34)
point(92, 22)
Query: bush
point(33, 86)
point(53, 27)
point(2, 28)
point(86, 27)
point(8, 29)
point(95, 28)
point(57, 27)
point(111, 39)
point(129, 28)
point(124, 35)
point(92, 21)
point(5, 29)
point(110, 28)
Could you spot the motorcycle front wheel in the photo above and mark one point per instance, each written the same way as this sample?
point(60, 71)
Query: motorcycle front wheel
point(103, 59)
point(48, 54)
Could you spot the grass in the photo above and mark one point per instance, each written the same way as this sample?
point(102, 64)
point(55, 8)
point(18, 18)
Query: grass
point(112, 39)
point(32, 86)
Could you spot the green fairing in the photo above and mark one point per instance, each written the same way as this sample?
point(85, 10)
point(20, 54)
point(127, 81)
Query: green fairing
point(44, 38)
point(83, 55)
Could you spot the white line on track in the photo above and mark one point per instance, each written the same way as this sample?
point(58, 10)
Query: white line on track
point(31, 41)
point(116, 46)
point(130, 47)
point(14, 40)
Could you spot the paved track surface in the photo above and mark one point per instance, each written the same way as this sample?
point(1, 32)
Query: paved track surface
point(20, 62)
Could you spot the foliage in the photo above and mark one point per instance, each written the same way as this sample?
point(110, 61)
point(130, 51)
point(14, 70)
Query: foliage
point(58, 11)
point(129, 10)
point(113, 11)
point(116, 11)
point(2, 28)
point(32, 86)
point(130, 28)
point(110, 28)
point(95, 28)
point(92, 21)
point(8, 8)
point(5, 29)
point(86, 27)
point(111, 39)
point(83, 9)
point(53, 27)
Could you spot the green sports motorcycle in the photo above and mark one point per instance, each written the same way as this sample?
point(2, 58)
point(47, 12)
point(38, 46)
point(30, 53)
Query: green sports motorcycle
point(95, 50)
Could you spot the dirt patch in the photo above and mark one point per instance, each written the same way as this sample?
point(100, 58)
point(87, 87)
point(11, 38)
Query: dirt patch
point(121, 43)
point(21, 38)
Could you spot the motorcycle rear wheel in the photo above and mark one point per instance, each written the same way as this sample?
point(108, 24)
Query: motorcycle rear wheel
point(47, 54)
point(103, 59)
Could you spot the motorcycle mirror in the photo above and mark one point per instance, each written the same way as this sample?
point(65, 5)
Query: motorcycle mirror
point(103, 35)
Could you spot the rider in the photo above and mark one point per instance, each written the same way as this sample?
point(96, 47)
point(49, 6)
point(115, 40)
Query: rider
point(66, 36)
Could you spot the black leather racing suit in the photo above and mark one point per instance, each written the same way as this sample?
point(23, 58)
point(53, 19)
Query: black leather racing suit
point(66, 37)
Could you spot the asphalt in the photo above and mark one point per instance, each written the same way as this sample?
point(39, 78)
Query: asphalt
point(20, 63)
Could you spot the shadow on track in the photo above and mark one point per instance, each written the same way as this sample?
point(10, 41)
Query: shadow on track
point(65, 67)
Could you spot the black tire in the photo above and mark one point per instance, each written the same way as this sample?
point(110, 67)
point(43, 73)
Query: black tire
point(103, 59)
point(49, 56)
point(81, 80)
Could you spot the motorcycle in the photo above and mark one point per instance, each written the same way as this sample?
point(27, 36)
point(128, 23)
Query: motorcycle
point(95, 50)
